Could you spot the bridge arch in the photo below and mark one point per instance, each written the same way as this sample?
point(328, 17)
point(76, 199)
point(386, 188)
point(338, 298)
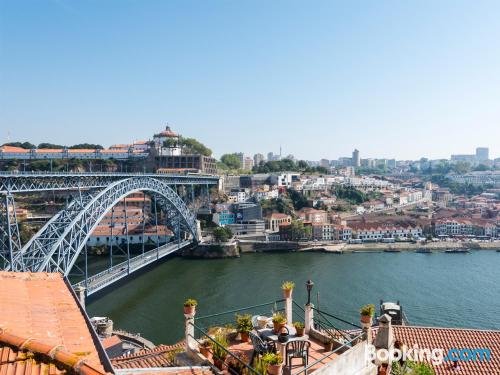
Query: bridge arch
point(56, 246)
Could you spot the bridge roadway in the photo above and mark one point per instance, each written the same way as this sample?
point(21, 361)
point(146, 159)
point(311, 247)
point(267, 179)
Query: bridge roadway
point(119, 271)
point(22, 182)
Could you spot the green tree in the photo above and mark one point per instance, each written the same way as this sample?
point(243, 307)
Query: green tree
point(82, 146)
point(192, 146)
point(298, 199)
point(25, 145)
point(222, 234)
point(50, 145)
point(296, 231)
point(232, 161)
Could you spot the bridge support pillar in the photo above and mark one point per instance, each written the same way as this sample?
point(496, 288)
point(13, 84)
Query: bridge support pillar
point(10, 239)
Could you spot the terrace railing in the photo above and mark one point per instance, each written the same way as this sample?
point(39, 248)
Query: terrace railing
point(348, 345)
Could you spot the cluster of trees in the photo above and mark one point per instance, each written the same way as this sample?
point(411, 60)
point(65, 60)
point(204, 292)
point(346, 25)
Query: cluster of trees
point(233, 162)
point(286, 204)
point(460, 167)
point(456, 188)
point(222, 234)
point(287, 165)
point(350, 194)
point(296, 231)
point(188, 145)
point(230, 161)
point(367, 171)
point(29, 146)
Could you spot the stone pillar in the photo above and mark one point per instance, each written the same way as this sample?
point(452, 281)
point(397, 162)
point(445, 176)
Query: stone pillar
point(385, 337)
point(288, 309)
point(367, 330)
point(308, 318)
point(80, 293)
point(189, 332)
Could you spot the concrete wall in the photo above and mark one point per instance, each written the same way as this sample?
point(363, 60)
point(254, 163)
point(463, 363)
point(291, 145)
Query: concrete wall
point(248, 247)
point(352, 362)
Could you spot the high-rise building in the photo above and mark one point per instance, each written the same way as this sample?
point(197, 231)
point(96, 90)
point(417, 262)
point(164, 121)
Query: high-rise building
point(482, 154)
point(257, 159)
point(324, 163)
point(356, 162)
point(247, 163)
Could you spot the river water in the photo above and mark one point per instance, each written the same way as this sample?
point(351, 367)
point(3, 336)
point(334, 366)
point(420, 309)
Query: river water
point(452, 290)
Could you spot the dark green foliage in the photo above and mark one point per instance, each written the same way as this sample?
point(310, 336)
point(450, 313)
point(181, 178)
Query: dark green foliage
point(192, 146)
point(222, 234)
point(350, 194)
point(287, 165)
point(25, 145)
point(299, 201)
point(231, 161)
point(50, 145)
point(82, 146)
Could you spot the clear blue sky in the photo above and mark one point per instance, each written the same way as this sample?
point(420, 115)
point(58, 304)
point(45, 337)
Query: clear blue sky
point(399, 79)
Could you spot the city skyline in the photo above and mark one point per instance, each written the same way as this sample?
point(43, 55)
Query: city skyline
point(321, 81)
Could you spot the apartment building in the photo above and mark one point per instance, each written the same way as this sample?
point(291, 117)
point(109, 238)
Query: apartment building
point(376, 233)
point(274, 221)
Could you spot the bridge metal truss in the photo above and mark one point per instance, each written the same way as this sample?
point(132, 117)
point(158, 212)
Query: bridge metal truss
point(57, 245)
point(10, 240)
point(29, 182)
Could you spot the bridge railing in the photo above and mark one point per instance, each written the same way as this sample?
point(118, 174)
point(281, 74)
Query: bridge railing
point(120, 270)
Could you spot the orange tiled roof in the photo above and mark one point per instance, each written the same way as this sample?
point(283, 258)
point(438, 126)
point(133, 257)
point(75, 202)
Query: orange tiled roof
point(156, 357)
point(14, 149)
point(49, 150)
point(276, 215)
point(81, 150)
point(109, 151)
point(40, 318)
point(448, 338)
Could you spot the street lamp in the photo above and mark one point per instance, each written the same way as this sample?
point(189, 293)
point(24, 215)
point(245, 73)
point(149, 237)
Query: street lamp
point(309, 286)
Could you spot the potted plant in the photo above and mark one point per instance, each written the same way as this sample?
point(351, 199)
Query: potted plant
point(244, 325)
point(237, 367)
point(299, 328)
point(205, 347)
point(190, 306)
point(367, 312)
point(279, 321)
point(274, 363)
point(219, 352)
point(287, 287)
point(329, 345)
point(259, 365)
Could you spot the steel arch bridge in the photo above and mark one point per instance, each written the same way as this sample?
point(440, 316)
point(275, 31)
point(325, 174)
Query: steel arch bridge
point(57, 245)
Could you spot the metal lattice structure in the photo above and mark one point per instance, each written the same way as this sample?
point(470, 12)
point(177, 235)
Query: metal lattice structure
point(56, 247)
point(10, 241)
point(29, 182)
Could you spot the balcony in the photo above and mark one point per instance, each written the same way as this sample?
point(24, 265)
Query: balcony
point(249, 340)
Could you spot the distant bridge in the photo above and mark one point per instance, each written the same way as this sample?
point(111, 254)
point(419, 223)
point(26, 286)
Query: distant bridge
point(58, 244)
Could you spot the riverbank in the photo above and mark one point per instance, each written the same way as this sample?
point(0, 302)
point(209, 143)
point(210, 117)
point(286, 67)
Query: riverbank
point(262, 246)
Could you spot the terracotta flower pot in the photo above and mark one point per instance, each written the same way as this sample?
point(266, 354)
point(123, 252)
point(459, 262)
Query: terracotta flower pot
point(287, 293)
point(366, 319)
point(328, 346)
point(244, 336)
point(274, 369)
point(277, 327)
point(219, 363)
point(205, 351)
point(300, 331)
point(189, 310)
